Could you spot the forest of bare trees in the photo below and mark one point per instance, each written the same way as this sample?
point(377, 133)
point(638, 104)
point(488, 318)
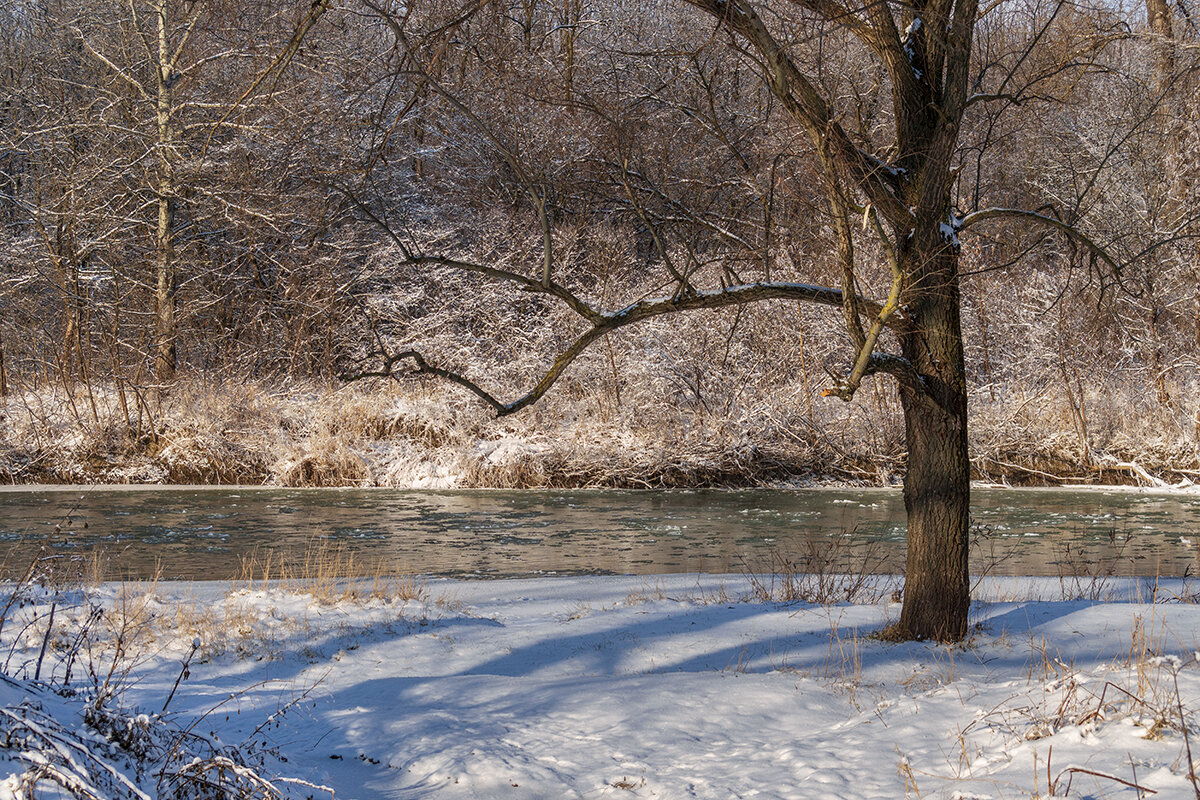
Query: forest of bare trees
point(214, 213)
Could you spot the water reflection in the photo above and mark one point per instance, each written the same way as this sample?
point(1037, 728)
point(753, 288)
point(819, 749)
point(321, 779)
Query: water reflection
point(204, 533)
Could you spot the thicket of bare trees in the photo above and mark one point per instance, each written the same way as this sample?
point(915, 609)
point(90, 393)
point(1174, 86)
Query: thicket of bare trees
point(272, 191)
point(157, 206)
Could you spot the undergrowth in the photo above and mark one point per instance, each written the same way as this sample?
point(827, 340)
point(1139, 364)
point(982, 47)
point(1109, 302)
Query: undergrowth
point(414, 435)
point(70, 651)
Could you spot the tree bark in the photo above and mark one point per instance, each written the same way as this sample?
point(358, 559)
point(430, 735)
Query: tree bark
point(166, 326)
point(1158, 19)
point(937, 483)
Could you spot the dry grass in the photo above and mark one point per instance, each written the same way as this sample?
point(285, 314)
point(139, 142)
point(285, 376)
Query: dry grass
point(330, 574)
point(322, 460)
point(59, 611)
point(1140, 686)
point(651, 434)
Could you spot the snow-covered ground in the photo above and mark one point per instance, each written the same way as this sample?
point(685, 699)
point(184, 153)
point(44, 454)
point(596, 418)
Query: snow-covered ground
point(667, 687)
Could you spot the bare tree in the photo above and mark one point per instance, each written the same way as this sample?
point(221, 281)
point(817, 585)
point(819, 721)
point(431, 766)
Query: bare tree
point(136, 132)
point(163, 34)
point(889, 187)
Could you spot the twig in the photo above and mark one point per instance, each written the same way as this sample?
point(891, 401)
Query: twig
point(1187, 739)
point(183, 673)
point(1072, 771)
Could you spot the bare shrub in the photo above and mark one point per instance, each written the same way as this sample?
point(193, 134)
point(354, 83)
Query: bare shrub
point(824, 572)
point(119, 754)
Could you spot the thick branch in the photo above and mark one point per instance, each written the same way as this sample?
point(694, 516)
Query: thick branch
point(845, 389)
point(120, 73)
point(423, 367)
point(805, 104)
point(878, 32)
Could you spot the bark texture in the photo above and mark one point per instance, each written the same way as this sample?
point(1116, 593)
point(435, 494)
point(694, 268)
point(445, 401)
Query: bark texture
point(937, 486)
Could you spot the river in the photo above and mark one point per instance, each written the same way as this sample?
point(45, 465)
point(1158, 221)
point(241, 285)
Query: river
point(205, 532)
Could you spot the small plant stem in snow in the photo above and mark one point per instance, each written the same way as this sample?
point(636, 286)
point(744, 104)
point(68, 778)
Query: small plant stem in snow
point(37, 673)
point(1187, 739)
point(183, 673)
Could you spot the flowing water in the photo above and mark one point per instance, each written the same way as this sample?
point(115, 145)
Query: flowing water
point(205, 532)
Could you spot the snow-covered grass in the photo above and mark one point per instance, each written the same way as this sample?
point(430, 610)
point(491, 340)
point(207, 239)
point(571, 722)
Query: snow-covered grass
point(209, 429)
point(669, 687)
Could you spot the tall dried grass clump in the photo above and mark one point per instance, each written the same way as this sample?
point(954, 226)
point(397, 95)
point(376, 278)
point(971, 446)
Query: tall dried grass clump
point(374, 434)
point(824, 572)
point(322, 460)
point(330, 574)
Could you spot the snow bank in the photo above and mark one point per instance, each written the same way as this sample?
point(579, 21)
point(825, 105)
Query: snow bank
point(681, 686)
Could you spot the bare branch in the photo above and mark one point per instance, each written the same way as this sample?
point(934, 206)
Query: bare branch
point(680, 278)
point(278, 64)
point(1070, 231)
point(614, 320)
point(573, 301)
point(845, 389)
point(806, 105)
point(537, 194)
point(96, 54)
point(421, 366)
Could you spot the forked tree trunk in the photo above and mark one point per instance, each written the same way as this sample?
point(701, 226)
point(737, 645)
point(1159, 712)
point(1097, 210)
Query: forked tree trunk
point(937, 483)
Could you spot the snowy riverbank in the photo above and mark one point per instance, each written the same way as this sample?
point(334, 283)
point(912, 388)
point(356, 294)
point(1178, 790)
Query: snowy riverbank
point(670, 687)
point(210, 430)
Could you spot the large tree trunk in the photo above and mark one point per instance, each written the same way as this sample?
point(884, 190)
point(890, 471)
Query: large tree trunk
point(937, 484)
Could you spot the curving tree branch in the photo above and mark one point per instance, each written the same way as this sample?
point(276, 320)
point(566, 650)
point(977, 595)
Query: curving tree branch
point(1073, 233)
point(549, 287)
point(639, 311)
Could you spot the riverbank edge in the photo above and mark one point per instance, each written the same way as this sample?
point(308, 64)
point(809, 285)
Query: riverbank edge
point(143, 472)
point(404, 437)
point(8, 488)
